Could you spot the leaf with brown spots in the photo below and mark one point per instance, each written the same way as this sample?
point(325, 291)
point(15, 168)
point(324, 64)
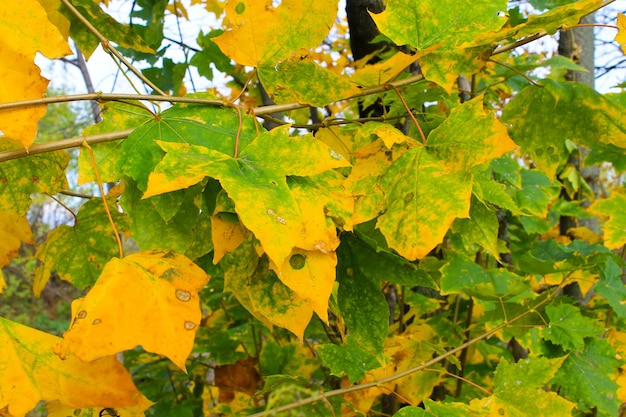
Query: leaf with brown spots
point(148, 298)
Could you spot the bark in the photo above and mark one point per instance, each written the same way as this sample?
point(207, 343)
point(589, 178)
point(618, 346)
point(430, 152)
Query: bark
point(578, 45)
point(363, 31)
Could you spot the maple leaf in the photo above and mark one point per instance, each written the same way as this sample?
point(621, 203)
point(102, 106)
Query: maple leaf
point(514, 383)
point(304, 81)
point(214, 128)
point(261, 33)
point(30, 372)
point(422, 200)
point(115, 117)
point(26, 30)
point(568, 327)
point(43, 173)
point(311, 275)
point(433, 23)
point(148, 298)
point(226, 235)
point(257, 182)
point(469, 137)
point(78, 253)
point(15, 230)
point(259, 290)
point(615, 226)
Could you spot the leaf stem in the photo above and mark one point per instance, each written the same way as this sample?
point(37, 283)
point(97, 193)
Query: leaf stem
point(411, 115)
point(518, 72)
point(104, 198)
point(106, 44)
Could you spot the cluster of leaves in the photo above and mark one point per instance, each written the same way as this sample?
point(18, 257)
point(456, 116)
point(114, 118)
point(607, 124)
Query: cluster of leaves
point(412, 260)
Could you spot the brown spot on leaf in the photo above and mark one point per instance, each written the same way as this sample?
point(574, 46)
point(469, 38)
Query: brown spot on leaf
point(189, 325)
point(96, 322)
point(81, 314)
point(183, 295)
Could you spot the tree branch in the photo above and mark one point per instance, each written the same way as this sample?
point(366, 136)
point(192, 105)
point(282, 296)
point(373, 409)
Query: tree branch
point(63, 144)
point(107, 45)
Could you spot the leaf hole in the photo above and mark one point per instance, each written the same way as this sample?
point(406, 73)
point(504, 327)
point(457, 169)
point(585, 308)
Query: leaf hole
point(189, 325)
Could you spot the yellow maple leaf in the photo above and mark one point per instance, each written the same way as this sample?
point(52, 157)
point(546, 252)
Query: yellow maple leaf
point(15, 230)
point(621, 31)
point(26, 30)
point(30, 372)
point(311, 275)
point(148, 298)
point(227, 236)
point(261, 33)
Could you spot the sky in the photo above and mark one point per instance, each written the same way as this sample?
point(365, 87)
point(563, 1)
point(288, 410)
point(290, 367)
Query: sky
point(107, 78)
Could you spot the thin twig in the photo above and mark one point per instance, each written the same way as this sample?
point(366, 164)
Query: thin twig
point(64, 206)
point(518, 72)
point(508, 47)
point(107, 45)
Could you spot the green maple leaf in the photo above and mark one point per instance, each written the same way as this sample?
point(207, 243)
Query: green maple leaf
point(79, 253)
point(361, 302)
point(256, 180)
point(586, 377)
point(541, 120)
point(464, 276)
point(211, 127)
point(568, 327)
point(515, 383)
point(350, 360)
point(121, 34)
point(174, 220)
point(612, 288)
point(444, 22)
point(115, 117)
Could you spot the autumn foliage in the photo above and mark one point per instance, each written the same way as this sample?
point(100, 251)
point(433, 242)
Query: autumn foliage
point(408, 264)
